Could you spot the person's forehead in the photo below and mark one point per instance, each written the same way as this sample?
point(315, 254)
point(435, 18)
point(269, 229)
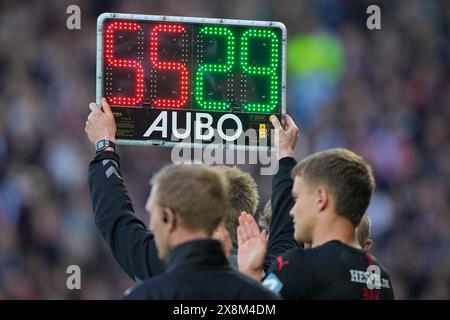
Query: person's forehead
point(299, 183)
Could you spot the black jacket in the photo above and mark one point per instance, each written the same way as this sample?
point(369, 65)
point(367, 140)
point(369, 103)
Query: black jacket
point(199, 270)
point(131, 243)
point(281, 231)
point(333, 270)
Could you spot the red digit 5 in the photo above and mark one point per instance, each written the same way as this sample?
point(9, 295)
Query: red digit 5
point(169, 65)
point(123, 63)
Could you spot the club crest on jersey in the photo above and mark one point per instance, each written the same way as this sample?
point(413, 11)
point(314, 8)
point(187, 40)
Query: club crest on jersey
point(273, 283)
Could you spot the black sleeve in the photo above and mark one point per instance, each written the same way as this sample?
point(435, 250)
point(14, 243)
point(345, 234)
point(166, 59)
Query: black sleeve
point(290, 276)
point(388, 294)
point(131, 243)
point(138, 292)
point(281, 232)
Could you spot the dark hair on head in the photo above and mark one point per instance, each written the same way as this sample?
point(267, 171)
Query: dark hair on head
point(348, 177)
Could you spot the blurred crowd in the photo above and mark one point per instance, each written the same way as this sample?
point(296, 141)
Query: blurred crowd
point(384, 94)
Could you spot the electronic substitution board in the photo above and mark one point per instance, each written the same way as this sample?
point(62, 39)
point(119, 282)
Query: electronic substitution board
point(191, 80)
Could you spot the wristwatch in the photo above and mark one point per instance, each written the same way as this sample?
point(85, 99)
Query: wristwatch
point(104, 144)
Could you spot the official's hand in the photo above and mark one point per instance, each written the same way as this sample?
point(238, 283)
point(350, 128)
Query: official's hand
point(100, 125)
point(252, 247)
point(287, 137)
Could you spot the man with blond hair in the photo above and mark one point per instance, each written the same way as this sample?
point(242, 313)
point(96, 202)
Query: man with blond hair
point(244, 196)
point(186, 205)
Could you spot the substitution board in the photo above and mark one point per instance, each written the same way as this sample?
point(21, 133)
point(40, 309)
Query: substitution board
point(198, 81)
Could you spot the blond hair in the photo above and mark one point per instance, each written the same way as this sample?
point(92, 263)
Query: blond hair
point(243, 194)
point(197, 193)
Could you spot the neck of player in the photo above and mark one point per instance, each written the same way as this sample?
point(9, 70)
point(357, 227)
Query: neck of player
point(335, 227)
point(183, 236)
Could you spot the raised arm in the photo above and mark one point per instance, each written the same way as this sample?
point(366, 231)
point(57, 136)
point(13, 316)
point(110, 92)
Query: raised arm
point(131, 243)
point(281, 231)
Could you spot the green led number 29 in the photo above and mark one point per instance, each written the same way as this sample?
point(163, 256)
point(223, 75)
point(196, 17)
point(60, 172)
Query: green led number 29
point(269, 70)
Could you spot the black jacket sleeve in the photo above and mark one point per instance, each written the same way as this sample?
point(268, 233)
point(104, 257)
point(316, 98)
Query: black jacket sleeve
point(131, 243)
point(281, 232)
point(293, 274)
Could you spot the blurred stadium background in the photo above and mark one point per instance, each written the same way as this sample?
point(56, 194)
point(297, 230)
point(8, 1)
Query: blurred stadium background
point(384, 94)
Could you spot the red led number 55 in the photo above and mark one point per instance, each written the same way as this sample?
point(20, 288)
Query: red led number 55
point(139, 69)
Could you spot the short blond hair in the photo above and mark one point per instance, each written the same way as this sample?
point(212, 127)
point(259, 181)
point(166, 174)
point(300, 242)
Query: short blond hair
point(243, 194)
point(197, 193)
point(266, 216)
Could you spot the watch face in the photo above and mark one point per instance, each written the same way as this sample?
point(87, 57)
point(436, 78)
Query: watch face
point(101, 144)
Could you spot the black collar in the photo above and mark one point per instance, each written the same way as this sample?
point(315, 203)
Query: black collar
point(197, 252)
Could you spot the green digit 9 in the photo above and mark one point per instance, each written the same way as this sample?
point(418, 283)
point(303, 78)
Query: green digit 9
point(218, 68)
point(269, 70)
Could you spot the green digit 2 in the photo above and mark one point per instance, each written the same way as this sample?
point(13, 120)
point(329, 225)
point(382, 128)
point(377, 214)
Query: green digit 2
point(269, 70)
point(218, 68)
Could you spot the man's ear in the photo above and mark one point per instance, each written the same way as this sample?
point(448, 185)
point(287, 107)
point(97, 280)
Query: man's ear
point(368, 244)
point(169, 218)
point(323, 198)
